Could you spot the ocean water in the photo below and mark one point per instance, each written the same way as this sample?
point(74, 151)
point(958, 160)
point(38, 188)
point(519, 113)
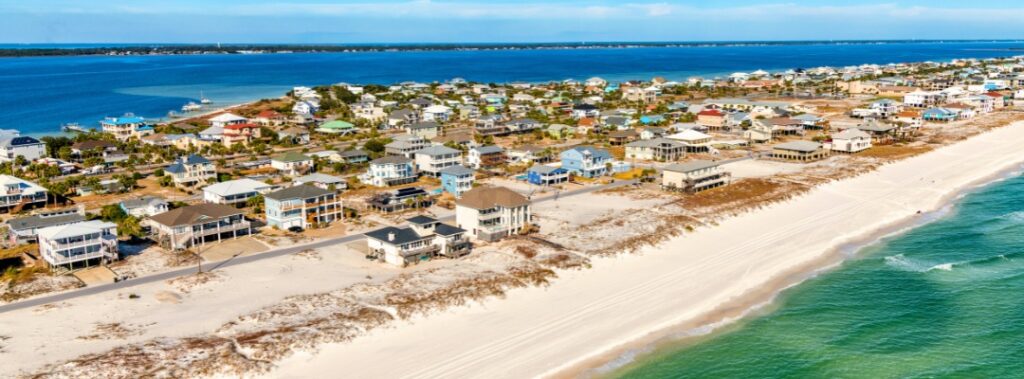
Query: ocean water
point(942, 300)
point(40, 93)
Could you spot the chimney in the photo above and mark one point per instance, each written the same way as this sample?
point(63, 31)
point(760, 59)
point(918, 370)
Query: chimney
point(391, 236)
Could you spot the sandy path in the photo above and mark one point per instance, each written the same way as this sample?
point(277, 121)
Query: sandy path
point(583, 315)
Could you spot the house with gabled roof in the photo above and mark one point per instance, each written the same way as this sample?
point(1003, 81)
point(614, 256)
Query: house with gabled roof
point(431, 160)
point(425, 238)
point(191, 170)
point(801, 151)
point(79, 244)
point(302, 206)
point(292, 163)
point(586, 161)
point(492, 213)
point(694, 176)
point(235, 192)
point(657, 149)
point(193, 225)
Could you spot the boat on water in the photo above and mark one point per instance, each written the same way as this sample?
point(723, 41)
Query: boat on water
point(203, 99)
point(73, 127)
point(191, 107)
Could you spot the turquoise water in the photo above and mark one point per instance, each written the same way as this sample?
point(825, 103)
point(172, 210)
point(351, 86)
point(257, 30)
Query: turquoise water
point(942, 300)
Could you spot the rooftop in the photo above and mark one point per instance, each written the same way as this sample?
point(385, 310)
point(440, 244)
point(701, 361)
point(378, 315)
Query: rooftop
point(489, 197)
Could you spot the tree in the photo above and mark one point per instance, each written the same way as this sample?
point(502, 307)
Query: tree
point(112, 213)
point(129, 227)
point(256, 203)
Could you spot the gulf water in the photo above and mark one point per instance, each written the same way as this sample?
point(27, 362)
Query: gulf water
point(38, 94)
point(944, 300)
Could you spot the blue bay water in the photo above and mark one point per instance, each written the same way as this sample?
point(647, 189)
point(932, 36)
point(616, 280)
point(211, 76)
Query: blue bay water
point(40, 93)
point(942, 300)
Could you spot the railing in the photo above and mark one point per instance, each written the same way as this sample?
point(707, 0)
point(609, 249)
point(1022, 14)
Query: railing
point(57, 259)
point(105, 240)
point(429, 249)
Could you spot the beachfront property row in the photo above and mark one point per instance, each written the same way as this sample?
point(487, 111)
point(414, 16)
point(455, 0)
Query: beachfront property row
point(485, 214)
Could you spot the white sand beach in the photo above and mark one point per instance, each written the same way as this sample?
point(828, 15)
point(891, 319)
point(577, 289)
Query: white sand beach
point(586, 316)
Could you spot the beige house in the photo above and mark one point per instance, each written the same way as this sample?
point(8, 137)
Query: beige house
point(492, 213)
point(658, 149)
point(694, 176)
point(801, 151)
point(193, 225)
point(851, 141)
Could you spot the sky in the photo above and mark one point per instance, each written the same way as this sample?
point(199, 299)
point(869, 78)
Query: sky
point(432, 21)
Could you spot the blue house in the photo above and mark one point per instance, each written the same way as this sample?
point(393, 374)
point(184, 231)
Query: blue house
point(542, 175)
point(457, 179)
point(586, 161)
point(652, 119)
point(939, 114)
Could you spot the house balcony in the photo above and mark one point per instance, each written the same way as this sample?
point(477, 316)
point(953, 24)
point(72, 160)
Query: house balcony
point(220, 228)
point(60, 260)
point(428, 250)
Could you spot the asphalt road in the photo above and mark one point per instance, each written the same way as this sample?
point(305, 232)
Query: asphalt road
point(207, 266)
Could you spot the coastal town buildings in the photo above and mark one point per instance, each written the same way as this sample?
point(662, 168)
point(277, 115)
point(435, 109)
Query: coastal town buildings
point(235, 192)
point(391, 171)
point(543, 175)
point(457, 179)
point(485, 157)
point(431, 160)
point(660, 149)
point(17, 194)
point(801, 151)
point(25, 229)
point(302, 206)
point(79, 244)
point(423, 239)
point(292, 163)
point(191, 170)
point(126, 127)
point(492, 213)
point(586, 161)
point(694, 176)
point(144, 206)
point(194, 225)
point(26, 147)
point(851, 141)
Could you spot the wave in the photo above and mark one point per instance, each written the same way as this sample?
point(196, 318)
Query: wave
point(901, 262)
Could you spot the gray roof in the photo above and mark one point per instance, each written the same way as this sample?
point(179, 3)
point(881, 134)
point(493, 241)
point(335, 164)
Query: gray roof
point(544, 169)
point(425, 125)
point(691, 166)
point(353, 153)
point(489, 149)
point(851, 133)
point(437, 150)
point(391, 159)
point(142, 202)
point(801, 146)
point(42, 221)
point(319, 178)
point(402, 235)
point(457, 170)
point(18, 141)
point(655, 142)
point(304, 191)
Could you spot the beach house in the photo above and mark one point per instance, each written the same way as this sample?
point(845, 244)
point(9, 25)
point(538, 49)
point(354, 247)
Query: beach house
point(391, 171)
point(711, 118)
point(492, 213)
point(23, 230)
point(124, 127)
point(337, 127)
point(225, 119)
point(79, 244)
point(302, 206)
point(431, 160)
point(192, 225)
point(457, 179)
point(543, 175)
point(939, 114)
point(27, 147)
point(327, 182)
point(485, 157)
point(240, 133)
point(851, 141)
point(622, 137)
point(17, 194)
point(235, 192)
point(438, 113)
point(191, 170)
point(405, 145)
point(800, 151)
point(423, 239)
point(401, 117)
point(586, 161)
point(658, 149)
point(292, 163)
point(694, 176)
point(144, 206)
point(425, 129)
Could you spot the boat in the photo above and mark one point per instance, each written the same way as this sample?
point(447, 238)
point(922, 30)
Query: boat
point(73, 127)
point(203, 99)
point(173, 114)
point(191, 107)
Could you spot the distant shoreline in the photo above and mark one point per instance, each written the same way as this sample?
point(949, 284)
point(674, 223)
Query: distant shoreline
point(43, 50)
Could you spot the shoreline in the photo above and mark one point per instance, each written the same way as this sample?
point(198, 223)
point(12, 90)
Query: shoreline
point(758, 303)
point(522, 348)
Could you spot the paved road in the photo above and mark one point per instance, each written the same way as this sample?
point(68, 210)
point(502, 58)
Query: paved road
point(92, 290)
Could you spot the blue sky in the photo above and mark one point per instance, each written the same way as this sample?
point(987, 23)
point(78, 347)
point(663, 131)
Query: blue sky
point(364, 21)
